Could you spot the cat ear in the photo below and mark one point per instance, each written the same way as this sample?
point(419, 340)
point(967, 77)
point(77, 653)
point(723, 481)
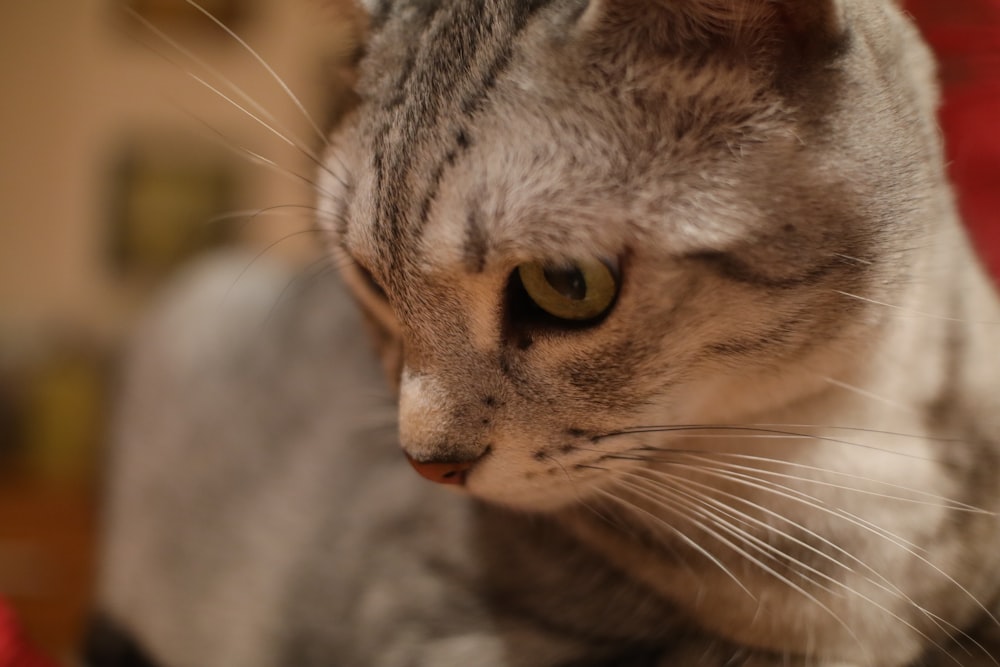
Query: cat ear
point(803, 26)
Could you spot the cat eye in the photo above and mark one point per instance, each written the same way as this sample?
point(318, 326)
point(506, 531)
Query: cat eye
point(579, 293)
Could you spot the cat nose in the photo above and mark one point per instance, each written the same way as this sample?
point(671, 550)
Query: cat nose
point(443, 472)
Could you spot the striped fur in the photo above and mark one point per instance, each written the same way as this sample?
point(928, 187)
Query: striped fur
point(780, 446)
point(769, 176)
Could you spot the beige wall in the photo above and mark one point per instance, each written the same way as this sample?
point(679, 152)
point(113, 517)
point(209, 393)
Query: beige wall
point(73, 85)
point(75, 88)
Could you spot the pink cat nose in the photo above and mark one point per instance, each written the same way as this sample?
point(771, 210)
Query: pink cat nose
point(443, 472)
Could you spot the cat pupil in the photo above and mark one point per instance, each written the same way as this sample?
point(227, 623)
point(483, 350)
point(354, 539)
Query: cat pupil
point(569, 282)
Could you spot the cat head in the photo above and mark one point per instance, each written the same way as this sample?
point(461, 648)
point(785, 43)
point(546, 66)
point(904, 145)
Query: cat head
point(567, 219)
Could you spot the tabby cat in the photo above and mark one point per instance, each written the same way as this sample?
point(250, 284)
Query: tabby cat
point(672, 293)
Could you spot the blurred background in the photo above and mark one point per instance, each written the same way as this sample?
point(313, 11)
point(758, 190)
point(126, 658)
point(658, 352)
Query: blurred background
point(118, 163)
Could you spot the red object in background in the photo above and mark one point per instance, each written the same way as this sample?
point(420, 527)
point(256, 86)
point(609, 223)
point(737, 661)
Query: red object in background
point(15, 651)
point(965, 36)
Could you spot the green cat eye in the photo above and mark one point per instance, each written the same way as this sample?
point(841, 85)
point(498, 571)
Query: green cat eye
point(576, 292)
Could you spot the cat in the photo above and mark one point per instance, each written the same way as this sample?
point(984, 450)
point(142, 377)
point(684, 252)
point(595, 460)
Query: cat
point(681, 322)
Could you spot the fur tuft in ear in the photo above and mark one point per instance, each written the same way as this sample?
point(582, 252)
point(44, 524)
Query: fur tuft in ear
point(801, 25)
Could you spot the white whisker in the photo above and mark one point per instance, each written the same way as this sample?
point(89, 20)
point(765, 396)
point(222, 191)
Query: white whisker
point(857, 260)
point(911, 312)
point(645, 453)
point(749, 558)
point(273, 125)
point(263, 252)
point(681, 536)
point(581, 499)
point(867, 394)
point(816, 503)
point(933, 500)
point(263, 63)
point(751, 429)
point(881, 581)
point(315, 270)
point(257, 158)
point(699, 502)
point(857, 429)
point(273, 130)
point(287, 211)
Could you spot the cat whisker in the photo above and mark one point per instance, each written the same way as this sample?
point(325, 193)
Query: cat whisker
point(883, 583)
point(932, 499)
point(195, 60)
point(689, 483)
point(267, 67)
point(913, 313)
point(772, 434)
point(291, 210)
point(569, 478)
point(856, 429)
point(341, 257)
point(312, 157)
point(700, 504)
point(681, 536)
point(315, 270)
point(249, 216)
point(855, 260)
point(813, 502)
point(699, 510)
point(740, 436)
point(260, 159)
point(867, 394)
point(581, 499)
point(776, 430)
point(271, 246)
point(779, 556)
point(260, 114)
point(256, 158)
point(790, 493)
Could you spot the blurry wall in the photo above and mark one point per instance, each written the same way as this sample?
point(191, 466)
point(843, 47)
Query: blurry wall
point(115, 165)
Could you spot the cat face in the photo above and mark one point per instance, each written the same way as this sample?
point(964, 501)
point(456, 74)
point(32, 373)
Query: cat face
point(569, 219)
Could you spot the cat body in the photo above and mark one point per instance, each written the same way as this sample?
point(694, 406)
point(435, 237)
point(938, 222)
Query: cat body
point(767, 179)
point(774, 439)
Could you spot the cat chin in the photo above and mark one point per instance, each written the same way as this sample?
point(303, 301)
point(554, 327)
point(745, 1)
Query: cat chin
point(530, 503)
point(527, 497)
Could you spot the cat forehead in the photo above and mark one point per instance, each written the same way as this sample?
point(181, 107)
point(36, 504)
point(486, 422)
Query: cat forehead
point(526, 192)
point(509, 136)
point(493, 206)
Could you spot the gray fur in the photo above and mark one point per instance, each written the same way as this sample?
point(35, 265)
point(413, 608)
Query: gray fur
point(797, 294)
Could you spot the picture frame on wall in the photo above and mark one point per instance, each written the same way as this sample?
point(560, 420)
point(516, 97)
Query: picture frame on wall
point(166, 196)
